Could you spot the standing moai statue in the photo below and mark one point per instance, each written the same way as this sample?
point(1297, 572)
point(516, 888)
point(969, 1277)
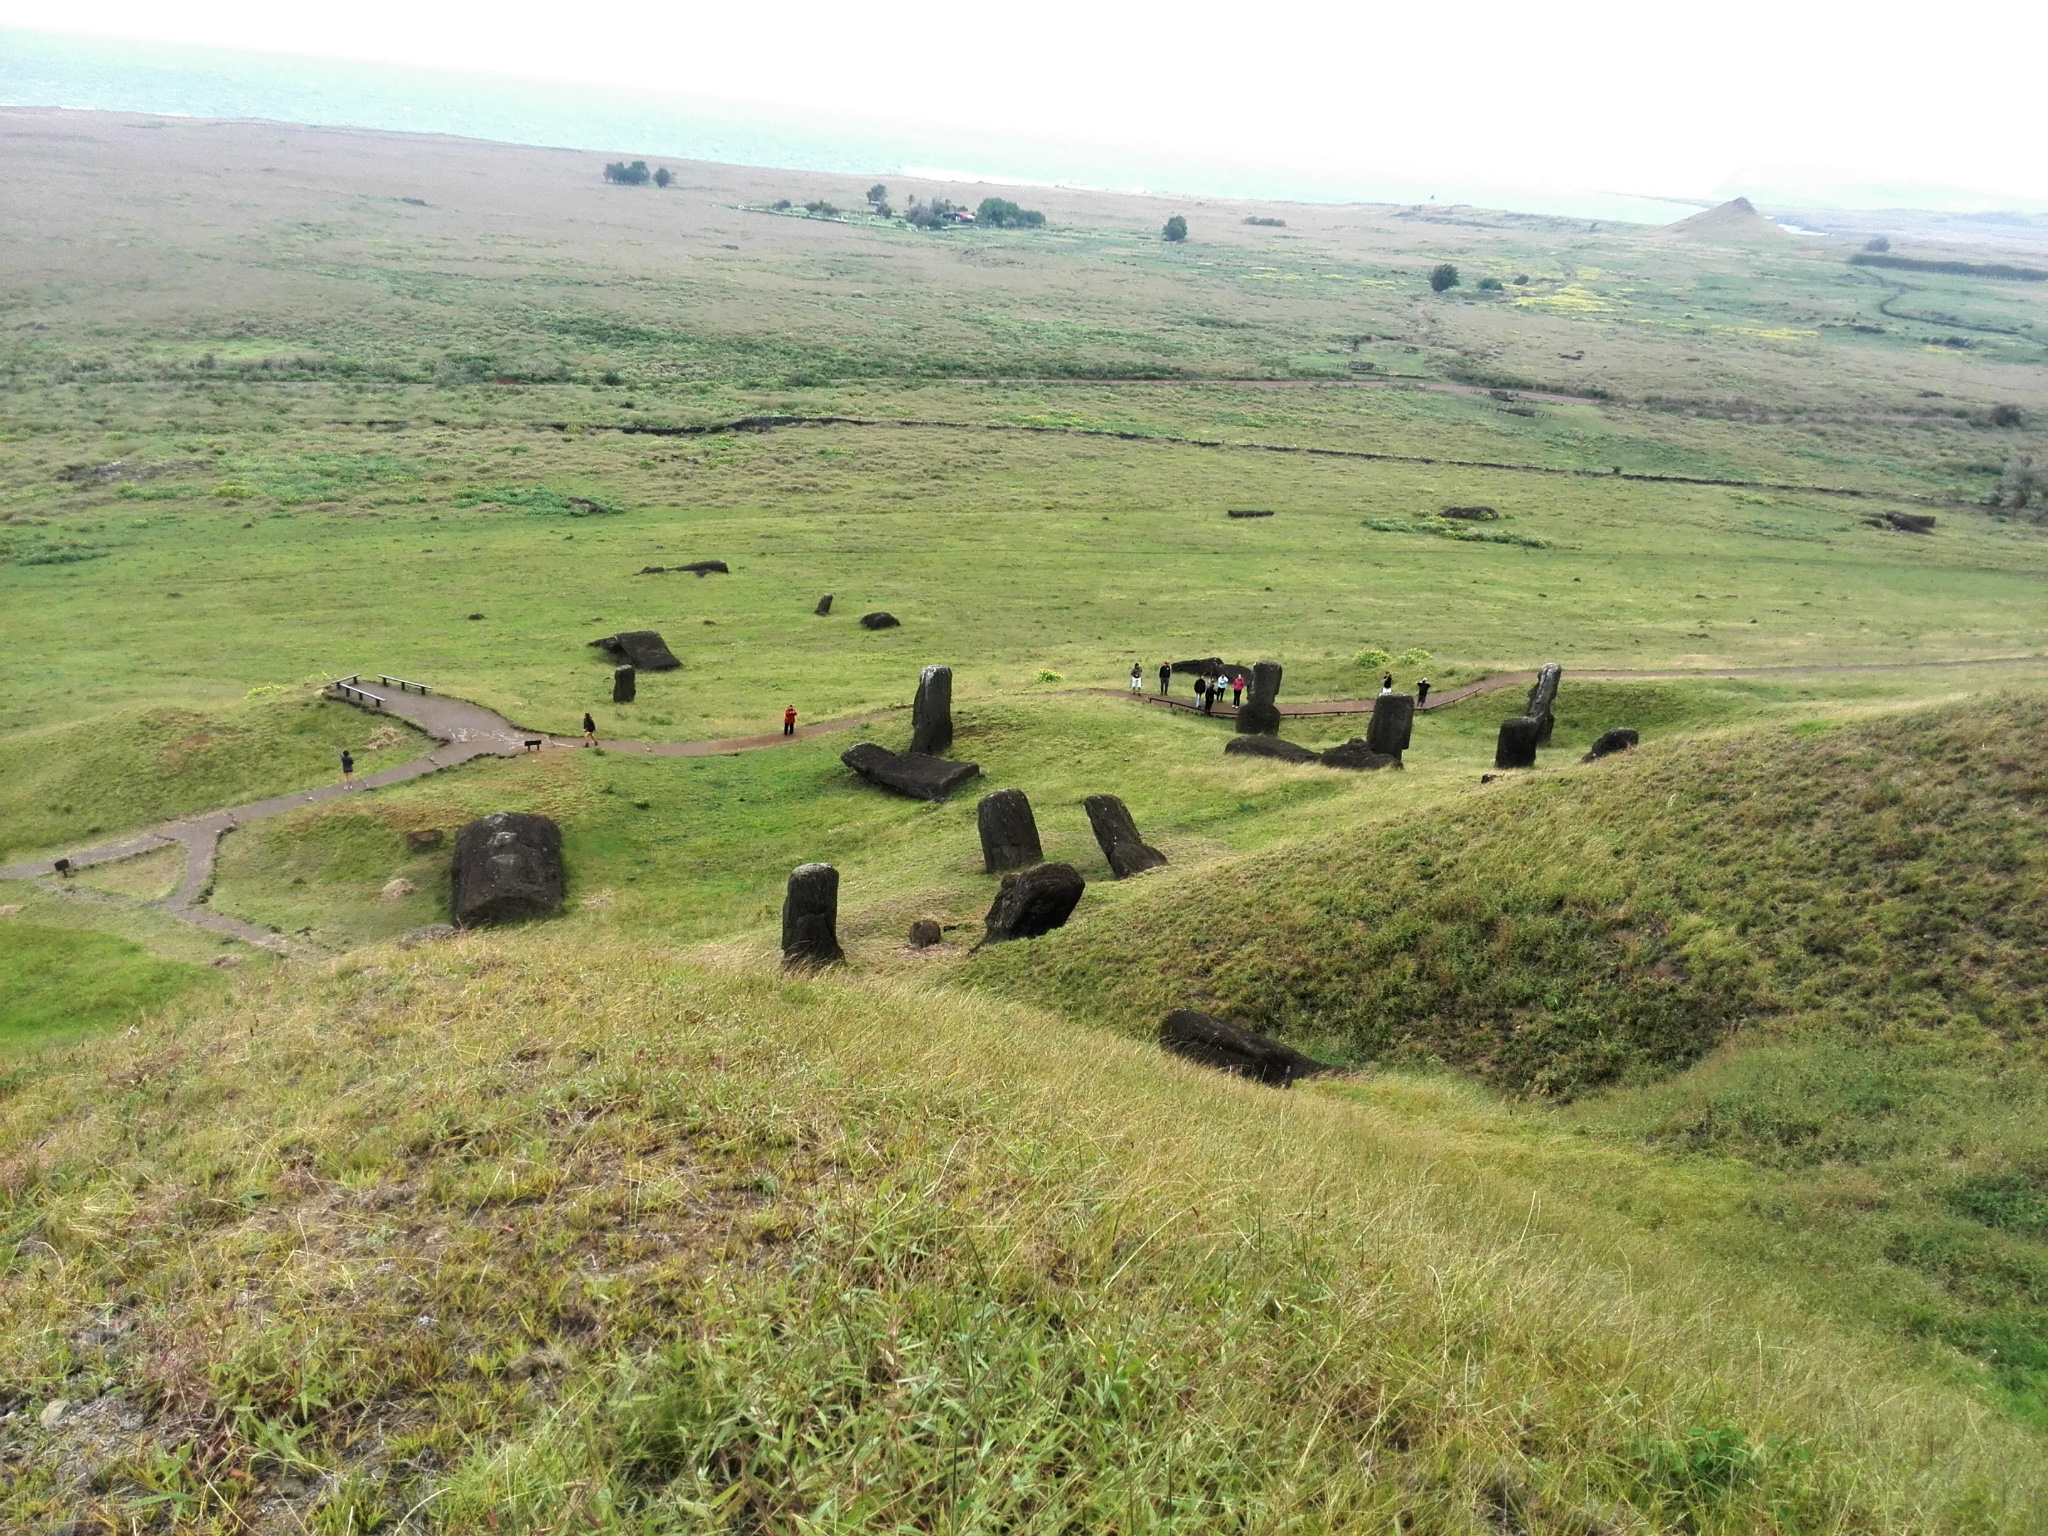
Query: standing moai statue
point(1259, 715)
point(931, 713)
point(1542, 697)
point(824, 605)
point(810, 917)
point(624, 685)
point(1009, 832)
point(1393, 724)
point(1127, 853)
point(1519, 735)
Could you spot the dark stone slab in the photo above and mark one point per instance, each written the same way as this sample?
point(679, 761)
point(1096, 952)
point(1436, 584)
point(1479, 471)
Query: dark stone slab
point(1034, 902)
point(695, 568)
point(1517, 745)
point(1620, 739)
point(908, 773)
point(931, 712)
point(1233, 1048)
point(1910, 522)
point(1117, 835)
point(879, 621)
point(924, 933)
point(507, 866)
point(810, 917)
point(824, 605)
point(1009, 832)
point(1393, 724)
point(644, 648)
point(1259, 715)
point(1268, 746)
point(1357, 753)
point(1234, 512)
point(1542, 699)
point(625, 685)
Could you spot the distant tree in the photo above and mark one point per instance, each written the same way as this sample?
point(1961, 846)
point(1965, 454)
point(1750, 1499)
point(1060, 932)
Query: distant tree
point(1001, 213)
point(781, 205)
point(622, 174)
point(878, 193)
point(1176, 230)
point(1443, 276)
point(662, 177)
point(1878, 244)
point(1269, 223)
point(2006, 416)
point(2020, 483)
point(1490, 284)
point(932, 215)
point(1522, 281)
point(821, 210)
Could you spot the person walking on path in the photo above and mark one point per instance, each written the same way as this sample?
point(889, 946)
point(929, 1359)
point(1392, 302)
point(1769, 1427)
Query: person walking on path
point(348, 769)
point(589, 730)
point(1387, 683)
point(789, 721)
point(1165, 678)
point(1237, 690)
point(1421, 692)
point(1137, 678)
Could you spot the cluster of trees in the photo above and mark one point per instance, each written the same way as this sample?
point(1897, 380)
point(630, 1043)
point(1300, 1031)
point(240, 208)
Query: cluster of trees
point(1269, 223)
point(1176, 230)
point(1001, 213)
point(636, 174)
point(994, 212)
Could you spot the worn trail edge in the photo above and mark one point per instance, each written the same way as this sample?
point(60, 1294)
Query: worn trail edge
point(464, 732)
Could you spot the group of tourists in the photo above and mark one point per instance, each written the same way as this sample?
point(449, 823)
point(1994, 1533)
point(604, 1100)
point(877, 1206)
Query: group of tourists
point(1209, 691)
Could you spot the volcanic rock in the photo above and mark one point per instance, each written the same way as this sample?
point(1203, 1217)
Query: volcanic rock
point(507, 866)
point(908, 773)
point(1233, 1048)
point(1034, 902)
point(1268, 746)
point(1620, 739)
point(879, 621)
point(1358, 753)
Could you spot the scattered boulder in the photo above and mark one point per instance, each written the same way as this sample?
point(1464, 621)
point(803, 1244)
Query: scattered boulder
point(879, 621)
point(1033, 903)
point(625, 685)
point(1009, 832)
point(1393, 725)
point(507, 866)
point(1910, 522)
point(1117, 835)
point(810, 917)
point(1358, 753)
point(1542, 696)
point(644, 648)
point(908, 773)
point(1517, 745)
point(397, 889)
point(1621, 739)
point(1470, 514)
point(1235, 513)
point(924, 933)
point(931, 711)
point(824, 606)
point(1268, 746)
point(695, 568)
point(1233, 1048)
point(1259, 715)
point(421, 840)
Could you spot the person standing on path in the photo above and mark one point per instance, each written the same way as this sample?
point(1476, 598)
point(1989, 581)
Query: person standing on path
point(1165, 678)
point(589, 730)
point(1137, 678)
point(348, 769)
point(1387, 683)
point(789, 721)
point(1421, 692)
point(1237, 690)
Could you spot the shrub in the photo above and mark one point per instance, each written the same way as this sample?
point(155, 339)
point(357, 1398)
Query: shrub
point(878, 193)
point(1176, 230)
point(662, 177)
point(1490, 285)
point(1878, 244)
point(1414, 656)
point(932, 215)
point(1049, 676)
point(2006, 416)
point(1442, 276)
point(1269, 223)
point(2020, 483)
point(619, 173)
point(1001, 213)
point(781, 205)
point(1373, 659)
point(820, 209)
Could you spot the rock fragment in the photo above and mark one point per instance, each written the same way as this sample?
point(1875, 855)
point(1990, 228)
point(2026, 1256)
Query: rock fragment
point(1034, 902)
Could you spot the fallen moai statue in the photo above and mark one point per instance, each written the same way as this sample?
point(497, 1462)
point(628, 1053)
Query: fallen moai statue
point(1033, 903)
point(810, 917)
point(1235, 1049)
point(1009, 832)
point(1621, 739)
point(908, 773)
point(1269, 746)
point(1259, 715)
point(695, 568)
point(931, 711)
point(1393, 725)
point(879, 621)
point(1235, 512)
point(1542, 698)
point(625, 685)
point(507, 866)
point(926, 932)
point(1117, 835)
point(1517, 745)
point(1201, 666)
point(1910, 522)
point(644, 648)
point(1358, 753)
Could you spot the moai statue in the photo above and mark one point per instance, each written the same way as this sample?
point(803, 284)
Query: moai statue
point(1517, 747)
point(1260, 714)
point(1393, 724)
point(625, 683)
point(1542, 696)
point(810, 917)
point(1009, 833)
point(1126, 852)
point(931, 713)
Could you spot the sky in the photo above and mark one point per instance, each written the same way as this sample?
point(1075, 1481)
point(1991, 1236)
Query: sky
point(1788, 101)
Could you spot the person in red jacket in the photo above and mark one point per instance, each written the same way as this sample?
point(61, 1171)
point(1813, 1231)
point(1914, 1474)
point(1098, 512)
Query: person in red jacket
point(789, 721)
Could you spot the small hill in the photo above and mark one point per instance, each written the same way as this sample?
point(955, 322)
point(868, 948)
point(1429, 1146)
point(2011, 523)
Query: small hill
point(1735, 222)
point(1616, 921)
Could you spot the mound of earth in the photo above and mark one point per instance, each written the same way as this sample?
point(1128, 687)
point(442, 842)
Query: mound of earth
point(1735, 222)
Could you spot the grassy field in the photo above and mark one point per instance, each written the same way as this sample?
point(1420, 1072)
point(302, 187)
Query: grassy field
point(1689, 1178)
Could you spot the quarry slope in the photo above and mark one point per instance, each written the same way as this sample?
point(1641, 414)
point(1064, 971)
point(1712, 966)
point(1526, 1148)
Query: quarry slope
point(1615, 921)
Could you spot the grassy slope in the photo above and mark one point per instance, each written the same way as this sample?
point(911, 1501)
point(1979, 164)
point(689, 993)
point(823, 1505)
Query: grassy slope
point(504, 1235)
point(62, 983)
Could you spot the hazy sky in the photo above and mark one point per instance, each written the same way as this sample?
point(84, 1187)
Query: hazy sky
point(1775, 97)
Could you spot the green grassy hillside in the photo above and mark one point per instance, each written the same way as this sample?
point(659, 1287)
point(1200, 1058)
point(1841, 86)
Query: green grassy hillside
point(497, 1236)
